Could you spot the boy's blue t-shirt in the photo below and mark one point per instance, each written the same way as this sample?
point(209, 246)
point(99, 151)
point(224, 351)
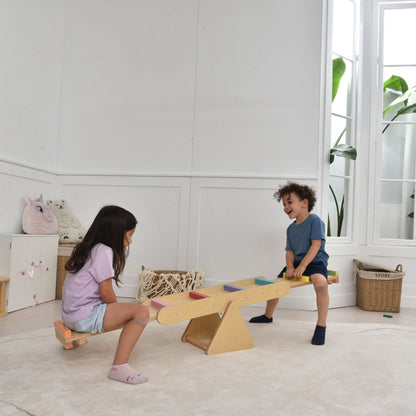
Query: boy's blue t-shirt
point(299, 236)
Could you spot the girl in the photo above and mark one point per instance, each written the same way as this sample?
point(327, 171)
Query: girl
point(89, 303)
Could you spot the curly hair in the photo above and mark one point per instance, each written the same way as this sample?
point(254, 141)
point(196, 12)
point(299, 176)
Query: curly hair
point(109, 228)
point(302, 191)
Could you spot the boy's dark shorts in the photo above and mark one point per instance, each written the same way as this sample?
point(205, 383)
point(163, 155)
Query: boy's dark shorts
point(313, 268)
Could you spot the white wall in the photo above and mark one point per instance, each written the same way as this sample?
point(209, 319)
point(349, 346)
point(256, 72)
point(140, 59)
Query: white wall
point(128, 86)
point(32, 35)
point(204, 95)
point(175, 87)
point(188, 113)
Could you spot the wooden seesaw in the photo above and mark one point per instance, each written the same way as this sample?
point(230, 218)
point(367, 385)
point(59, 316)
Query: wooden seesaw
point(216, 324)
point(71, 339)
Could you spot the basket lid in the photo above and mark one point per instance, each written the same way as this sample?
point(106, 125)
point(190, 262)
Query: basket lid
point(362, 265)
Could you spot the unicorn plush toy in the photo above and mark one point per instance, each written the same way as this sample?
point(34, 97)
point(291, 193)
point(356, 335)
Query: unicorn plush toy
point(38, 218)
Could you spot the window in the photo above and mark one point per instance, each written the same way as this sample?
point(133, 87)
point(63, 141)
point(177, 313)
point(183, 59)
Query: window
point(343, 118)
point(395, 132)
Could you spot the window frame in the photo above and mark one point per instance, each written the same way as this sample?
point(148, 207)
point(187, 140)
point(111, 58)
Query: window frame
point(377, 43)
point(351, 119)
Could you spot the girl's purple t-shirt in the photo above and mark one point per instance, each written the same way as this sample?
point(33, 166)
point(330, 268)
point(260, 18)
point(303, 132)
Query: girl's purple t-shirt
point(81, 290)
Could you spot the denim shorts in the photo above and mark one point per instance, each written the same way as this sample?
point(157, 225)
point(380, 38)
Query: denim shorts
point(312, 268)
point(93, 324)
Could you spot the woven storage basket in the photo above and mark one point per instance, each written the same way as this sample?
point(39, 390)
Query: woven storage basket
point(155, 283)
point(378, 288)
point(64, 253)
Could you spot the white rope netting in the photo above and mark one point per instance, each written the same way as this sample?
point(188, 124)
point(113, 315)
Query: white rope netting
point(155, 283)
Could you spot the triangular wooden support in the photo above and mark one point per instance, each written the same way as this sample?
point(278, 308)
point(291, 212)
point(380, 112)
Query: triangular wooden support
point(200, 329)
point(226, 334)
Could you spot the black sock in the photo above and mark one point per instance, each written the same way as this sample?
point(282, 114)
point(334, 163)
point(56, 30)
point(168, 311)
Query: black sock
point(262, 319)
point(319, 335)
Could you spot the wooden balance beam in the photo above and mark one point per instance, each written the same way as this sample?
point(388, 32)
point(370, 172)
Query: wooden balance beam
point(216, 324)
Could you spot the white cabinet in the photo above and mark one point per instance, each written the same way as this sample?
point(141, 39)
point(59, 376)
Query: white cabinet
point(30, 262)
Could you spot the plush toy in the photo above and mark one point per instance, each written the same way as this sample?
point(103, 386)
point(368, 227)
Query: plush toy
point(70, 229)
point(37, 218)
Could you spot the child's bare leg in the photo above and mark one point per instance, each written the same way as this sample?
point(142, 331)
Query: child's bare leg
point(271, 306)
point(322, 297)
point(134, 318)
point(322, 302)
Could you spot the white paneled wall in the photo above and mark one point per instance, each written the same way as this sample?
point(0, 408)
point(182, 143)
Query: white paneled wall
point(238, 228)
point(189, 113)
point(232, 228)
point(181, 112)
point(161, 206)
point(239, 231)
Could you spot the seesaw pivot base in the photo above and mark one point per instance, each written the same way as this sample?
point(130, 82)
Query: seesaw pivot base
point(226, 334)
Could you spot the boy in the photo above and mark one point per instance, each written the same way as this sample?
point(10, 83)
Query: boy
point(305, 252)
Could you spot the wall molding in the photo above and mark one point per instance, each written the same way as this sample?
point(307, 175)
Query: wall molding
point(191, 187)
point(198, 175)
point(23, 171)
point(167, 174)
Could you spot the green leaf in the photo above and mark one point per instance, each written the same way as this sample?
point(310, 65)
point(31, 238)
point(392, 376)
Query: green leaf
point(412, 214)
point(343, 150)
point(338, 70)
point(328, 232)
point(340, 217)
point(399, 100)
point(340, 136)
point(395, 83)
point(404, 110)
point(407, 110)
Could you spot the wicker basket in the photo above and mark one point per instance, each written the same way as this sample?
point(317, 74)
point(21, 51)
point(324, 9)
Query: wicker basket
point(155, 283)
point(64, 253)
point(378, 289)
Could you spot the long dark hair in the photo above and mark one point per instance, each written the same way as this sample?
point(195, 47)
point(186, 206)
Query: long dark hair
point(109, 228)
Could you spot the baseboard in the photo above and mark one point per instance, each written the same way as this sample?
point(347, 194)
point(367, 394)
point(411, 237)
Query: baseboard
point(408, 302)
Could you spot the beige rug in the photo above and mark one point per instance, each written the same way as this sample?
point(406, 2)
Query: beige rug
point(364, 369)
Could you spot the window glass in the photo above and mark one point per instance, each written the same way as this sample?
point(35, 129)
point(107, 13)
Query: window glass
point(343, 118)
point(340, 165)
point(343, 28)
point(398, 152)
point(396, 208)
point(397, 136)
point(399, 28)
point(337, 220)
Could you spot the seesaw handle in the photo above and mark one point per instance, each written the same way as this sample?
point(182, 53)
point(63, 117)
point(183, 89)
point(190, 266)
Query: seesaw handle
point(300, 279)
